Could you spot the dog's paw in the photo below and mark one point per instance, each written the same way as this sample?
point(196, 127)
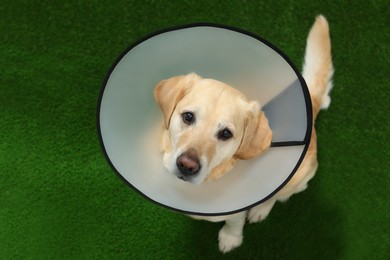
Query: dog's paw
point(258, 214)
point(228, 241)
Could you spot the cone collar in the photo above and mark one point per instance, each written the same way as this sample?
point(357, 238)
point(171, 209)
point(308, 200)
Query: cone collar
point(126, 113)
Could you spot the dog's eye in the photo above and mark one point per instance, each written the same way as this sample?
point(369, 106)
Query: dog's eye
point(225, 134)
point(188, 118)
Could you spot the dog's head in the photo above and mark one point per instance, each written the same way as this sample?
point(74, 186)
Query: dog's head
point(208, 125)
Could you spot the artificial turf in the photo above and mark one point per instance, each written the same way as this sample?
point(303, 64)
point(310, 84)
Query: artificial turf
point(60, 199)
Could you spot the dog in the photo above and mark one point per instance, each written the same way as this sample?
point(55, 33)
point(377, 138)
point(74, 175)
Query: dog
point(208, 126)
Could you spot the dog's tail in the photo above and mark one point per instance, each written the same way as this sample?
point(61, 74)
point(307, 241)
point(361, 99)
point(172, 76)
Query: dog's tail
point(318, 67)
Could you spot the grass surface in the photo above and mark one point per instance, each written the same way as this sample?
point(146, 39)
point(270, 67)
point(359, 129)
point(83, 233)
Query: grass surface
point(60, 199)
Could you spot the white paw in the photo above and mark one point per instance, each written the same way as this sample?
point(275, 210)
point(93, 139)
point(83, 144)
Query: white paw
point(258, 213)
point(228, 241)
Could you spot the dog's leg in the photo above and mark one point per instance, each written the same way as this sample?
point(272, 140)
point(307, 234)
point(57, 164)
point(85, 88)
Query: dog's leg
point(230, 236)
point(260, 212)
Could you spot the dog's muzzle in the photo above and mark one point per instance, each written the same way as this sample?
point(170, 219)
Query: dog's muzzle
point(188, 165)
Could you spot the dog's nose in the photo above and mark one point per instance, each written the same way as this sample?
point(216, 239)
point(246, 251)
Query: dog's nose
point(188, 164)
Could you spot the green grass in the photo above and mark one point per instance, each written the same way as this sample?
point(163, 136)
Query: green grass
point(60, 199)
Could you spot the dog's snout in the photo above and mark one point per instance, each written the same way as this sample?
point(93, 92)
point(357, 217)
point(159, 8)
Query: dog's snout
point(188, 164)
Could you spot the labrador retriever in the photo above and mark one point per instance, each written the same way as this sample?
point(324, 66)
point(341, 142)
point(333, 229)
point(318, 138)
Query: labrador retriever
point(209, 125)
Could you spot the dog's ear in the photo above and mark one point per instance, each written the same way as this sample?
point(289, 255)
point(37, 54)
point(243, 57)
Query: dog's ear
point(169, 92)
point(257, 134)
